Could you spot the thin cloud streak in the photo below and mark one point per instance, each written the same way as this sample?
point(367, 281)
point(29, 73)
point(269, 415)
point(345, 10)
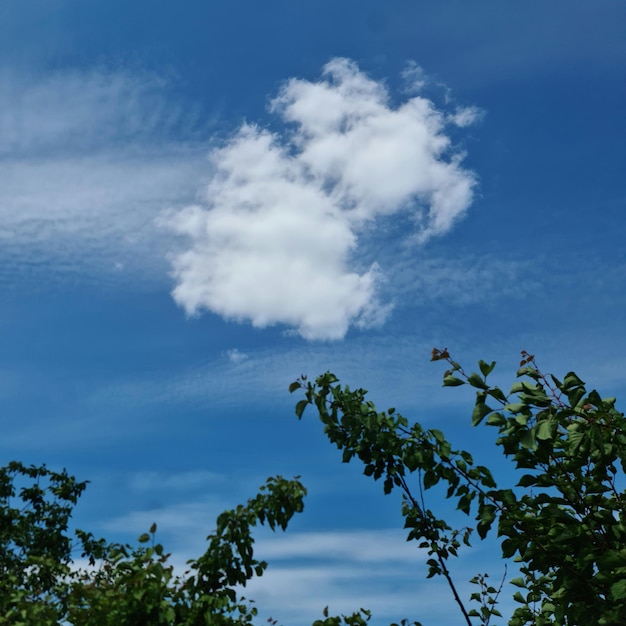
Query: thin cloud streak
point(357, 546)
point(88, 161)
point(309, 570)
point(276, 240)
point(71, 112)
point(298, 594)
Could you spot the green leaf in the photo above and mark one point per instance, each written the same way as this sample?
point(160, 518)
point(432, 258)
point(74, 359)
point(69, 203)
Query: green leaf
point(518, 582)
point(144, 538)
point(575, 396)
point(612, 559)
point(517, 387)
point(475, 380)
point(574, 438)
point(295, 385)
point(438, 435)
point(464, 503)
point(496, 419)
point(498, 394)
point(430, 479)
point(545, 430)
point(452, 381)
point(466, 456)
point(300, 408)
point(527, 439)
point(445, 450)
point(571, 380)
point(618, 589)
point(527, 480)
point(516, 407)
point(486, 516)
point(480, 410)
point(557, 383)
point(486, 368)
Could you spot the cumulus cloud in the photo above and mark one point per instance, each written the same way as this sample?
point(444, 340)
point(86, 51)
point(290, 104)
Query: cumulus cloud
point(276, 239)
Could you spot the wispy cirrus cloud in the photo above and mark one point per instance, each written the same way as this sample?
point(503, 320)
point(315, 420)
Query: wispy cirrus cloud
point(88, 160)
point(73, 112)
point(276, 239)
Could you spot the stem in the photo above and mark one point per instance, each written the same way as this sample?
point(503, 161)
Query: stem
point(472, 483)
point(440, 559)
point(446, 573)
point(497, 594)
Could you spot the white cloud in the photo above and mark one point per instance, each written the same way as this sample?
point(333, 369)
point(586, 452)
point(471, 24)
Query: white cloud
point(277, 238)
point(415, 78)
point(67, 112)
point(298, 594)
point(90, 160)
point(236, 357)
point(466, 116)
point(348, 569)
point(191, 521)
point(357, 546)
point(343, 569)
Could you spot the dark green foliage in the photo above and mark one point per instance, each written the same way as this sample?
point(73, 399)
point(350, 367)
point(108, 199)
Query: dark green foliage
point(124, 585)
point(564, 521)
point(35, 549)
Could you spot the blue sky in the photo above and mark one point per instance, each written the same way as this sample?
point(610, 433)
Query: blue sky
point(200, 202)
